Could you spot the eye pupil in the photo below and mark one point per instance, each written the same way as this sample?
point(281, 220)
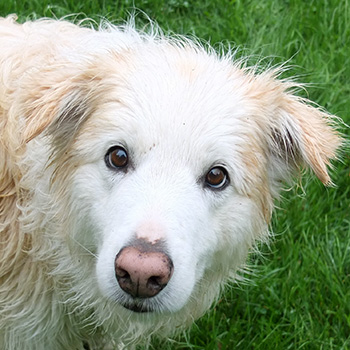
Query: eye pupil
point(216, 177)
point(117, 157)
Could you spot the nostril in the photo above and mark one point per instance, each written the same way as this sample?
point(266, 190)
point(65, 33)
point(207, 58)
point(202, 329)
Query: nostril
point(124, 279)
point(154, 280)
point(155, 283)
point(121, 273)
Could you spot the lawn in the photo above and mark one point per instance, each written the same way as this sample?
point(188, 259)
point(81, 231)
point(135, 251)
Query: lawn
point(298, 294)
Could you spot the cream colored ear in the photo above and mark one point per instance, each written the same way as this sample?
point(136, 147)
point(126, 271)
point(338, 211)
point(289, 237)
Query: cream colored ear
point(306, 136)
point(59, 100)
point(44, 107)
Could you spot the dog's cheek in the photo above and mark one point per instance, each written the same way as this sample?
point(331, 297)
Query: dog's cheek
point(105, 273)
point(237, 223)
point(88, 200)
point(193, 242)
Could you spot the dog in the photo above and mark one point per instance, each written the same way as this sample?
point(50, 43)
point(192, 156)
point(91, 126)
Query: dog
point(137, 172)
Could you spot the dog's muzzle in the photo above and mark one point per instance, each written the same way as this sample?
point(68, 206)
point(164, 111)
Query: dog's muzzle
point(143, 269)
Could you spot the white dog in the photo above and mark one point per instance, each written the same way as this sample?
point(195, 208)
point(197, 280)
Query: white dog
point(137, 171)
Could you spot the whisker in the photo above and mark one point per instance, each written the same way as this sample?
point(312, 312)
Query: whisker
point(86, 249)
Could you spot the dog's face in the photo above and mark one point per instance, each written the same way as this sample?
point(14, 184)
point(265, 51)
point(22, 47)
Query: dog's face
point(170, 159)
point(162, 171)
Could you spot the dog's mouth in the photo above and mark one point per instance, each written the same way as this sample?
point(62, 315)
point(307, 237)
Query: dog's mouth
point(138, 307)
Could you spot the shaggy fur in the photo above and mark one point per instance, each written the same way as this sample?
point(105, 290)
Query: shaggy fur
point(67, 95)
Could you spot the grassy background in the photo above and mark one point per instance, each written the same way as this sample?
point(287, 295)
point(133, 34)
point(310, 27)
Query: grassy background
point(299, 294)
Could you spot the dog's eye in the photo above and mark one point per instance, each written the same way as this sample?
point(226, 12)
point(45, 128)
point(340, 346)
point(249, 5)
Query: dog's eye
point(217, 178)
point(117, 157)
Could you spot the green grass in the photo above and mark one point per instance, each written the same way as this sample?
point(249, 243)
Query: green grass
point(299, 294)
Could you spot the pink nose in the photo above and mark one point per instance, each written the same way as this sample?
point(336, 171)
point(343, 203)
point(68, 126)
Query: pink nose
point(142, 271)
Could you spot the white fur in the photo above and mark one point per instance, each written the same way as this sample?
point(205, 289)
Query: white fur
point(67, 95)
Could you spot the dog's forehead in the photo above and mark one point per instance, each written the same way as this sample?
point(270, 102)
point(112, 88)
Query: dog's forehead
point(184, 80)
point(180, 103)
point(180, 94)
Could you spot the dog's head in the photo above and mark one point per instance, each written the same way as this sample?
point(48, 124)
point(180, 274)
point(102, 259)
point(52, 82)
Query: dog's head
point(166, 163)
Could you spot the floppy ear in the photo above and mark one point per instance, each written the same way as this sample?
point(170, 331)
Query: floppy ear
point(303, 135)
point(57, 101)
point(60, 101)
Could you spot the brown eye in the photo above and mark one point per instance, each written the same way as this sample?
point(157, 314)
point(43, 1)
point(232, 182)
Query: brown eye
point(117, 157)
point(217, 177)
